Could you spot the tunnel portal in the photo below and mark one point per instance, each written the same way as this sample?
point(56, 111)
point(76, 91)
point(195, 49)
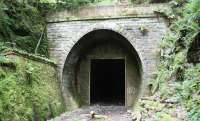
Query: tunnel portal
point(103, 68)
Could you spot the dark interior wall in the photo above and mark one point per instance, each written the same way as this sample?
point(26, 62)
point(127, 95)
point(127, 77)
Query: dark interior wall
point(100, 44)
point(110, 50)
point(107, 81)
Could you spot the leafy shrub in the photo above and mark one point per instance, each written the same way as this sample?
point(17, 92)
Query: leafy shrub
point(189, 91)
point(174, 66)
point(21, 25)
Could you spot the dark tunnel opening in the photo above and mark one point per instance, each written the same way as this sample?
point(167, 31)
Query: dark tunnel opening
point(101, 68)
point(107, 81)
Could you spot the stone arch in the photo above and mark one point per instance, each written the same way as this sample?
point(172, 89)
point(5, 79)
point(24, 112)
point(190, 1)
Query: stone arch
point(107, 26)
point(73, 57)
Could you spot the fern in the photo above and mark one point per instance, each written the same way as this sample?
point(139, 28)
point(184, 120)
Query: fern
point(174, 66)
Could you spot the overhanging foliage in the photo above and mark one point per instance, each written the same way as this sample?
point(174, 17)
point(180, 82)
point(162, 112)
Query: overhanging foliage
point(174, 68)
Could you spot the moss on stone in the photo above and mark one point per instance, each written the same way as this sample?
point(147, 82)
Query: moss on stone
point(30, 91)
point(11, 51)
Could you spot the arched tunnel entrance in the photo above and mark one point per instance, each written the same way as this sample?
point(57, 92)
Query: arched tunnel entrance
point(102, 68)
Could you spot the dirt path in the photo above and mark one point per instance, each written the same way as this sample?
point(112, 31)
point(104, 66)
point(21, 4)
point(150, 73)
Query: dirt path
point(112, 113)
point(148, 109)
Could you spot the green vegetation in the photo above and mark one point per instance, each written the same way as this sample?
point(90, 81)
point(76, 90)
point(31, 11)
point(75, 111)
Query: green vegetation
point(21, 26)
point(22, 22)
point(156, 110)
point(149, 1)
point(23, 90)
point(27, 92)
point(24, 83)
point(174, 68)
point(106, 2)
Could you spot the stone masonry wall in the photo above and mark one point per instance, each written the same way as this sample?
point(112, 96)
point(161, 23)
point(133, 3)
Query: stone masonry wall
point(64, 35)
